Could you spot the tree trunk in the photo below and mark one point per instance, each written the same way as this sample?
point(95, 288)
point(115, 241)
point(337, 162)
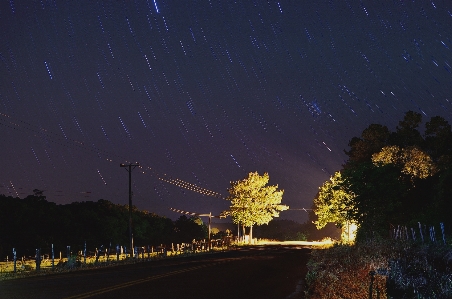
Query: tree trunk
point(251, 235)
point(244, 232)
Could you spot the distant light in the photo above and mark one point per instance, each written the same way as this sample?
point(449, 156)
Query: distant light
point(349, 232)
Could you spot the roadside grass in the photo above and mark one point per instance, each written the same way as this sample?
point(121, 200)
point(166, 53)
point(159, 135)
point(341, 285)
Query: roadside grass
point(78, 263)
point(342, 271)
point(402, 270)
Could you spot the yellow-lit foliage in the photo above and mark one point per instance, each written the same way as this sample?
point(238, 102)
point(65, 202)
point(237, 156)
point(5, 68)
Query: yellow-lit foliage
point(414, 162)
point(198, 221)
point(348, 234)
point(252, 202)
point(333, 203)
point(417, 163)
point(387, 155)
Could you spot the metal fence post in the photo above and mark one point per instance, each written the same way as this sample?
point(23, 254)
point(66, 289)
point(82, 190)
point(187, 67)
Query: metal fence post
point(372, 275)
point(96, 255)
point(14, 257)
point(442, 231)
point(108, 253)
point(53, 259)
point(38, 259)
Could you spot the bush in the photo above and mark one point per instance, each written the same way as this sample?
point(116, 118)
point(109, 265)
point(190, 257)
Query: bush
point(342, 271)
point(403, 271)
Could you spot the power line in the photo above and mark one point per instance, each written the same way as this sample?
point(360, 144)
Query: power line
point(199, 215)
point(57, 138)
point(302, 209)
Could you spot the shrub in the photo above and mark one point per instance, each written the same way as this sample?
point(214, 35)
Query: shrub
point(342, 271)
point(404, 270)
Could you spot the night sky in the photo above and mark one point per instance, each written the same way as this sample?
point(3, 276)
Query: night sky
point(201, 93)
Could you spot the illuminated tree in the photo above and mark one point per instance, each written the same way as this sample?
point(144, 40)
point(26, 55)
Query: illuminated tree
point(399, 177)
point(387, 190)
point(214, 231)
point(387, 155)
point(413, 161)
point(334, 203)
point(252, 202)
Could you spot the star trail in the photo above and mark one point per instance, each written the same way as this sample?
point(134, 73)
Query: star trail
point(200, 93)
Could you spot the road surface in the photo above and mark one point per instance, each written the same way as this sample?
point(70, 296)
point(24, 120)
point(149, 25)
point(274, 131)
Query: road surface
point(266, 271)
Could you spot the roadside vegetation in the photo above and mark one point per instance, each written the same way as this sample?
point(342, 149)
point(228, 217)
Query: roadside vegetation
point(398, 270)
point(395, 188)
point(77, 262)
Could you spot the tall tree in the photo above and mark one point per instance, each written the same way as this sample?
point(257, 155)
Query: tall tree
point(334, 203)
point(252, 202)
point(407, 133)
point(372, 139)
point(398, 178)
point(379, 191)
point(438, 139)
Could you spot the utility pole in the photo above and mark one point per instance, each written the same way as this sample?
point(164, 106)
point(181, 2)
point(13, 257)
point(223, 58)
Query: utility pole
point(200, 215)
point(129, 169)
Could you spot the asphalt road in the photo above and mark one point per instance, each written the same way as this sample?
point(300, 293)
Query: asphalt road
point(249, 272)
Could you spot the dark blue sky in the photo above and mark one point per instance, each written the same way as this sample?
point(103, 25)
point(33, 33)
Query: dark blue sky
point(202, 92)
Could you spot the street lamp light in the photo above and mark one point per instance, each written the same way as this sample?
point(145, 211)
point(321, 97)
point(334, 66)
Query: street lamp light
point(129, 169)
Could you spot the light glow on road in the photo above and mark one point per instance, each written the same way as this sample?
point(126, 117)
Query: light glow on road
point(323, 243)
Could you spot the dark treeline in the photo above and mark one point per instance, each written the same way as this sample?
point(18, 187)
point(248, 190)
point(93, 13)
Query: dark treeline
point(289, 230)
point(33, 222)
point(401, 177)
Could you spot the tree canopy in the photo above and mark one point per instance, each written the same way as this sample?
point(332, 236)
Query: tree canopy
point(33, 222)
point(334, 202)
point(253, 202)
point(187, 229)
point(392, 178)
point(413, 161)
